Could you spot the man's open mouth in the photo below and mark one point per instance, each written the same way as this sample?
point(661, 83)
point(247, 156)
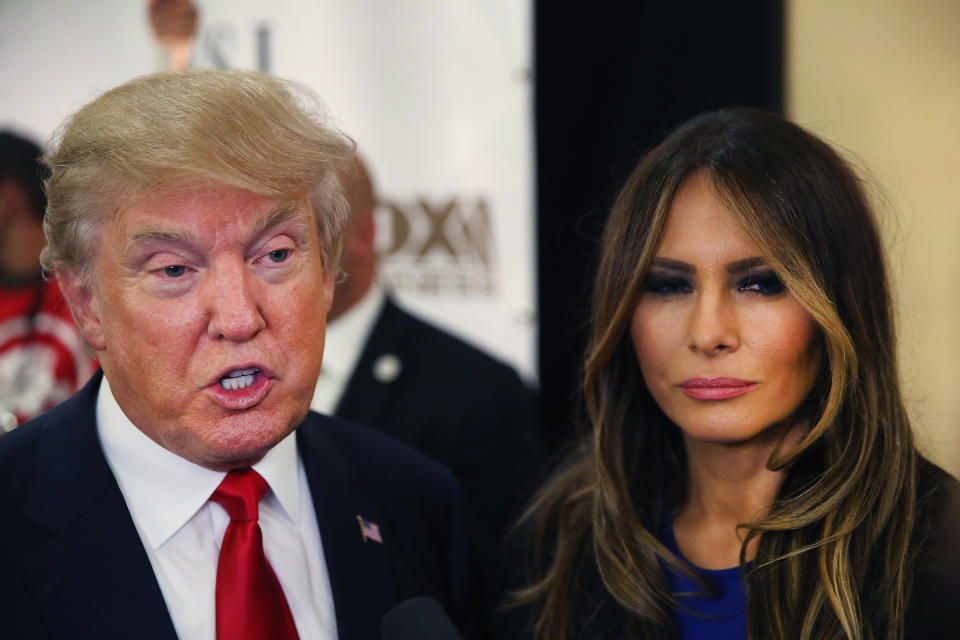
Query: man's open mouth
point(239, 379)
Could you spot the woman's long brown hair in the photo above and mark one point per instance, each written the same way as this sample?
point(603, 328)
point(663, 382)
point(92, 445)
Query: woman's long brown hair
point(835, 550)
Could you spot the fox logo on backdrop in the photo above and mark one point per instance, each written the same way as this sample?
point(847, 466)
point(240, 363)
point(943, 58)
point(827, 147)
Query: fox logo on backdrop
point(437, 246)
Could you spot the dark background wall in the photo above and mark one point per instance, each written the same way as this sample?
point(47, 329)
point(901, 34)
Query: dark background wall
point(612, 78)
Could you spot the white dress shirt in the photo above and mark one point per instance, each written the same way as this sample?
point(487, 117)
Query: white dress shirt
point(346, 337)
point(182, 530)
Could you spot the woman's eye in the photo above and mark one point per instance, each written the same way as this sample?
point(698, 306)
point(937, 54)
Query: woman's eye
point(175, 270)
point(667, 286)
point(278, 255)
point(766, 284)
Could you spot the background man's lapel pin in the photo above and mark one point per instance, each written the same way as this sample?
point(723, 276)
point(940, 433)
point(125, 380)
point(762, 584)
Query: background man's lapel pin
point(369, 530)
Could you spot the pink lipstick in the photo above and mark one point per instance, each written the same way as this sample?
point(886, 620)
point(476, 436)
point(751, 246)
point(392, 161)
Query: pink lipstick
point(716, 388)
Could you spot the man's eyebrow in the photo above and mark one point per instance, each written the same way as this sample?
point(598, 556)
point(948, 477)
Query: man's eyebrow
point(279, 215)
point(284, 212)
point(145, 235)
point(675, 265)
point(746, 265)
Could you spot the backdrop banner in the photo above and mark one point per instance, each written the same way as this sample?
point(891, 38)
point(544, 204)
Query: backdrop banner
point(436, 93)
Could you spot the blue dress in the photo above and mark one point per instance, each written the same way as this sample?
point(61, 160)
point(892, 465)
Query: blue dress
point(723, 617)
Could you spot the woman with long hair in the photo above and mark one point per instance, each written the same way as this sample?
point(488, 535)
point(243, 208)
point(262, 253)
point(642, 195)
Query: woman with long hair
point(750, 469)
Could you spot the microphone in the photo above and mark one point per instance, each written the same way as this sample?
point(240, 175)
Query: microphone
point(419, 618)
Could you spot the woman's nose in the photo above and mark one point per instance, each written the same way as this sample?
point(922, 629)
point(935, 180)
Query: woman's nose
point(713, 326)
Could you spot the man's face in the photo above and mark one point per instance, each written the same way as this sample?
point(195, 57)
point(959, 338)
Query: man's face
point(208, 317)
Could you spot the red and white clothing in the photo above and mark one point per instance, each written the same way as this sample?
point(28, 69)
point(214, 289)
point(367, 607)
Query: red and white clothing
point(42, 361)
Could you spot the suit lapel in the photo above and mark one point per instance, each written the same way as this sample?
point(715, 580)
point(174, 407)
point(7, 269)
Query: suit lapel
point(366, 400)
point(91, 576)
point(360, 571)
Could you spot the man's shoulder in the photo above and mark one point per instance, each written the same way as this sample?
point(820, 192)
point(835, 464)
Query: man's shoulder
point(370, 457)
point(436, 385)
point(18, 460)
point(52, 459)
point(435, 347)
point(16, 447)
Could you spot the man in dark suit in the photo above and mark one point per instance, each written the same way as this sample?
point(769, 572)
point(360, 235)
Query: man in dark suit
point(194, 223)
point(391, 370)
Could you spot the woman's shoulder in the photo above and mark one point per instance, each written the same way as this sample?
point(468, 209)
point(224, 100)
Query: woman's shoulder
point(931, 475)
point(933, 611)
point(938, 506)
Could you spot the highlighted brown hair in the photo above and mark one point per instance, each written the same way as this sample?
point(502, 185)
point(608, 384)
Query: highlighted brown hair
point(835, 554)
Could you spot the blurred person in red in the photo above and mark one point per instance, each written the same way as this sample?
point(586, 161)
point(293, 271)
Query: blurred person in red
point(41, 359)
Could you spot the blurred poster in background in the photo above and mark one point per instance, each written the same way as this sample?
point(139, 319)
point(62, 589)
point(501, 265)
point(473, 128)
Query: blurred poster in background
point(436, 93)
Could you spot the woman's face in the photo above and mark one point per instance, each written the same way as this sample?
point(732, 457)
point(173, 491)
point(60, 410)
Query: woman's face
point(723, 347)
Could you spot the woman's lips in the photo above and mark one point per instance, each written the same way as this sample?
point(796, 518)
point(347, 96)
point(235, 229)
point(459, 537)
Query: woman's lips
point(716, 388)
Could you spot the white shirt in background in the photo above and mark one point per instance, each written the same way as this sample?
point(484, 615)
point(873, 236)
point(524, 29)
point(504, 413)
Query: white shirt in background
point(346, 337)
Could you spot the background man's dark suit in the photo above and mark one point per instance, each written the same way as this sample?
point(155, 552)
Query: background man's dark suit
point(72, 564)
point(455, 404)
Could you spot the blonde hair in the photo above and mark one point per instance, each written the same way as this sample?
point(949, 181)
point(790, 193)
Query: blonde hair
point(239, 128)
point(836, 552)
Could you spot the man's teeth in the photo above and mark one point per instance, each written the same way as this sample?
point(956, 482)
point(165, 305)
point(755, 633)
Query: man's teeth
point(238, 379)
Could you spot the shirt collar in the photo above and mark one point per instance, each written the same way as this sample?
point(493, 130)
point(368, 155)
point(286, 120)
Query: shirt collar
point(164, 491)
point(347, 335)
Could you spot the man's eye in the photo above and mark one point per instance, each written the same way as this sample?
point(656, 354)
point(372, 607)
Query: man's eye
point(279, 255)
point(175, 270)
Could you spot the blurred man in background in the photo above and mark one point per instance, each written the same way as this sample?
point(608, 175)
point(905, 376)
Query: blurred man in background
point(41, 359)
point(386, 368)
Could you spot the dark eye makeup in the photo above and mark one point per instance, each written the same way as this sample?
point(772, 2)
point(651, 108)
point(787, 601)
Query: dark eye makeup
point(666, 285)
point(765, 283)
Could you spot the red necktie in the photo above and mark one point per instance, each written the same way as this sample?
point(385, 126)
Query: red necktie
point(250, 601)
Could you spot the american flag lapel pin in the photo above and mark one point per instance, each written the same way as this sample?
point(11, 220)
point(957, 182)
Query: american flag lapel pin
point(369, 530)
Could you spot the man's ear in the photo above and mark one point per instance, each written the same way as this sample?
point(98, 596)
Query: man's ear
point(329, 283)
point(363, 235)
point(83, 307)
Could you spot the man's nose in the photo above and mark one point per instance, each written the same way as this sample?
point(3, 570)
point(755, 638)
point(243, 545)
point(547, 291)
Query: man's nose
point(713, 328)
point(234, 310)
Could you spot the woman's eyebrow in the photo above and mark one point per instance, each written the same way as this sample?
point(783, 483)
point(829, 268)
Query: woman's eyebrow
point(746, 265)
point(734, 267)
point(675, 265)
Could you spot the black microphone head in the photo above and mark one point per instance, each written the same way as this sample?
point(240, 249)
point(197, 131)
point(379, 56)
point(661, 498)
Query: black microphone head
point(420, 618)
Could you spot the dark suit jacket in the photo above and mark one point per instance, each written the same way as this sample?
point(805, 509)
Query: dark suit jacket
point(72, 564)
point(455, 404)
